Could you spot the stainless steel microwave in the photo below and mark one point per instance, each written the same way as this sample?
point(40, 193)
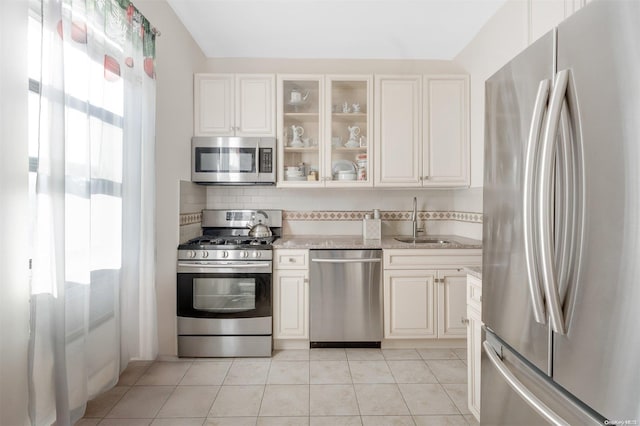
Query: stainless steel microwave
point(233, 160)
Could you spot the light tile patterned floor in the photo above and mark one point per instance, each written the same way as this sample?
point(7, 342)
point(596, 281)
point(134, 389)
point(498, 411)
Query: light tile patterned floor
point(330, 387)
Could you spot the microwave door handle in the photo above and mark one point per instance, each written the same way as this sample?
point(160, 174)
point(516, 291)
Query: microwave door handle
point(258, 160)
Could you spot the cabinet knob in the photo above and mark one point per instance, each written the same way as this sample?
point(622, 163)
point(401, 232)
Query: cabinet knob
point(464, 320)
point(426, 178)
point(291, 260)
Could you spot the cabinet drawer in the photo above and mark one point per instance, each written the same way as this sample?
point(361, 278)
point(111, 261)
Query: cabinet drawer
point(474, 293)
point(431, 258)
point(291, 259)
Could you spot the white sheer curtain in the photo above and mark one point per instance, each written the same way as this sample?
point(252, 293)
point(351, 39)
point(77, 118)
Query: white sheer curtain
point(93, 294)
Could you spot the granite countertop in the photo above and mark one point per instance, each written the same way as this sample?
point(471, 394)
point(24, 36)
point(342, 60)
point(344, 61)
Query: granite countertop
point(356, 242)
point(475, 271)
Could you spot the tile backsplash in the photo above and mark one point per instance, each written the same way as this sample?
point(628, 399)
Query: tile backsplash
point(193, 198)
point(340, 211)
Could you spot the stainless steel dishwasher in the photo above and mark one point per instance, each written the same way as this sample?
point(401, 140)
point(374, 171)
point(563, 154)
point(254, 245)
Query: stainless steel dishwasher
point(345, 298)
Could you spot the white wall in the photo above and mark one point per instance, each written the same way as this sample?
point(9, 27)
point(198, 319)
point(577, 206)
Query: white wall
point(177, 58)
point(332, 66)
point(503, 37)
point(14, 284)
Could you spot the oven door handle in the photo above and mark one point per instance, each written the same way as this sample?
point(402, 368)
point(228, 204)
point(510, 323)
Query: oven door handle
point(228, 265)
point(262, 267)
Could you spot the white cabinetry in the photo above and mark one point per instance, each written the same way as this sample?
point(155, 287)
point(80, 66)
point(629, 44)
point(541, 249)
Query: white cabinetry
point(234, 105)
point(424, 293)
point(291, 294)
point(422, 131)
point(397, 134)
point(474, 343)
point(315, 115)
point(445, 157)
point(409, 304)
point(452, 304)
point(546, 14)
point(348, 129)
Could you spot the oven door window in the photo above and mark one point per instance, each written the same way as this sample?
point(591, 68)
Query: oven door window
point(226, 160)
point(224, 295)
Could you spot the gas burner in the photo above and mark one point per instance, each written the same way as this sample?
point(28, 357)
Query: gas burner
point(228, 230)
point(205, 240)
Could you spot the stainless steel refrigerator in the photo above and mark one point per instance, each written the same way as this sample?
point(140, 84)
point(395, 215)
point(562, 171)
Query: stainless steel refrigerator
point(561, 265)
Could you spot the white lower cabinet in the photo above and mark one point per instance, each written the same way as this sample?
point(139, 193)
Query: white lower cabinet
point(423, 304)
point(452, 304)
point(474, 344)
point(291, 294)
point(425, 293)
point(409, 304)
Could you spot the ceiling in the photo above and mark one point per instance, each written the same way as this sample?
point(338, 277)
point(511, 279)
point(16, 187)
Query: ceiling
point(358, 29)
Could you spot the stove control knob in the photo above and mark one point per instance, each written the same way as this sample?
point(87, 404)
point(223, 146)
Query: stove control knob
point(244, 254)
point(225, 254)
point(192, 253)
point(257, 254)
point(205, 254)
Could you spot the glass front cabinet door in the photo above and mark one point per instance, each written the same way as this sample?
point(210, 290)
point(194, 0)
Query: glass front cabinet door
point(300, 130)
point(325, 130)
point(348, 128)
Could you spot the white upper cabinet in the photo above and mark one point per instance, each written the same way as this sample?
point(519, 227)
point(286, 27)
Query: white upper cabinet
point(300, 118)
point(398, 108)
point(234, 105)
point(547, 14)
point(348, 130)
point(324, 130)
point(446, 131)
point(422, 131)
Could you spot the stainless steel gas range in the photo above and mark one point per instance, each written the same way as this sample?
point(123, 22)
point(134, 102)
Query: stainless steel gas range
point(224, 286)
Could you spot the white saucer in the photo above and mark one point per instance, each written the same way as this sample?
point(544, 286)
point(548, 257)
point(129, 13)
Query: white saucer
point(296, 178)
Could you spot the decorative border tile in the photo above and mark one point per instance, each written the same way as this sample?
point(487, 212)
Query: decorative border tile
point(311, 216)
point(190, 218)
point(341, 216)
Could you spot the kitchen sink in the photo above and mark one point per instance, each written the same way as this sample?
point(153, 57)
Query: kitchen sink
point(422, 240)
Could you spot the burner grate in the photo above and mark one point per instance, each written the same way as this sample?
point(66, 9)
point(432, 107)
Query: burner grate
point(230, 241)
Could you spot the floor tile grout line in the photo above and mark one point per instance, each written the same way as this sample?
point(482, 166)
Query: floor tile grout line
point(445, 391)
point(352, 384)
point(114, 405)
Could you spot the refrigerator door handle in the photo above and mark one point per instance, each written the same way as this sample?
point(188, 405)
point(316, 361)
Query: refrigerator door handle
point(545, 200)
point(568, 190)
point(528, 396)
point(528, 201)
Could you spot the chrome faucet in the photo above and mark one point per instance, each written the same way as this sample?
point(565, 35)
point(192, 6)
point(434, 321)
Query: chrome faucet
point(414, 219)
